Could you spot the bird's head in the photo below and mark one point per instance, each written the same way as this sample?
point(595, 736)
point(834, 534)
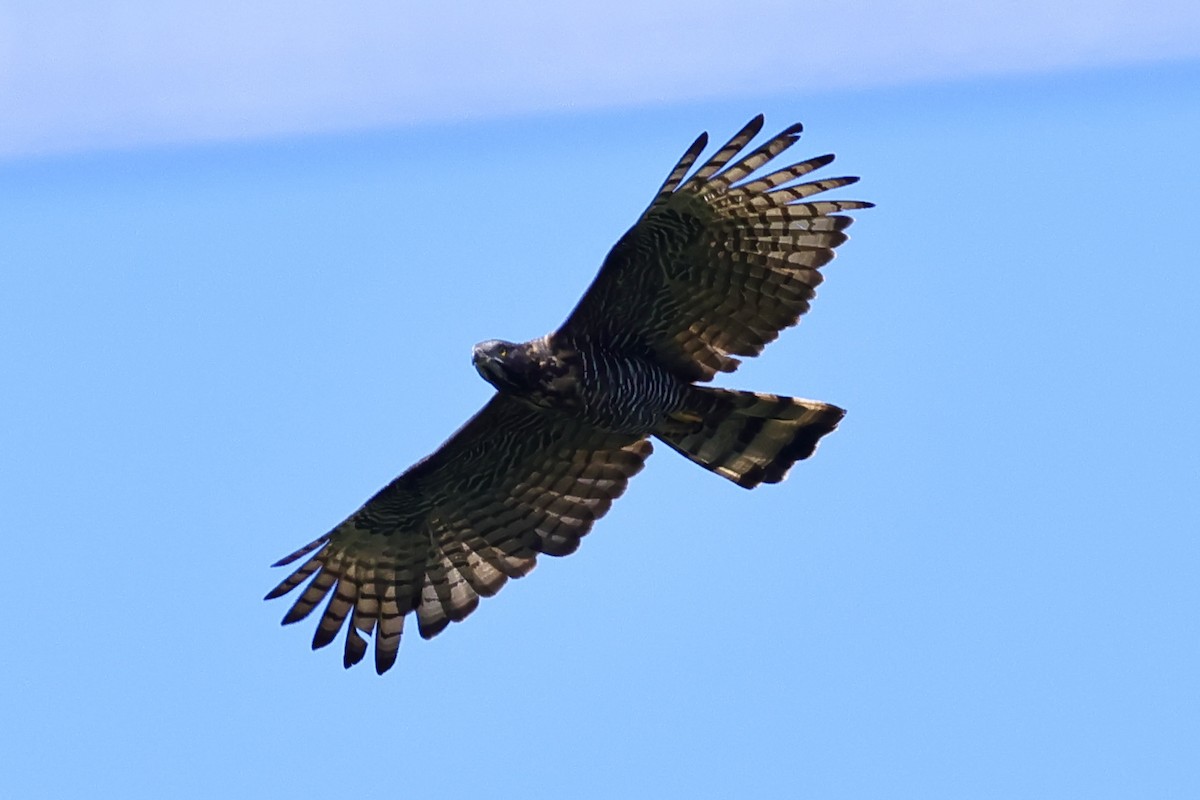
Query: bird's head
point(505, 365)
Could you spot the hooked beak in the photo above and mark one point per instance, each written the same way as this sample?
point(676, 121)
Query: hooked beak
point(488, 365)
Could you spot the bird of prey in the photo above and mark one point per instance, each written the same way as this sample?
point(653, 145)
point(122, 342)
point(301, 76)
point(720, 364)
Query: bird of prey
point(717, 265)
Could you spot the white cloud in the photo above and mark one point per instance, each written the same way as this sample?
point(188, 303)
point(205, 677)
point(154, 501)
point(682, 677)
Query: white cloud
point(84, 75)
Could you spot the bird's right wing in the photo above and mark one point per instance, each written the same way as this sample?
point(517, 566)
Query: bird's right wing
point(720, 263)
point(513, 482)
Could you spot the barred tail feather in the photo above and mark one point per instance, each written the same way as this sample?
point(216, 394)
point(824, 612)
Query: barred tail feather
point(748, 437)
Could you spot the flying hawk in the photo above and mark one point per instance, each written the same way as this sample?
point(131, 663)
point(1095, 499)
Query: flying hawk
point(715, 268)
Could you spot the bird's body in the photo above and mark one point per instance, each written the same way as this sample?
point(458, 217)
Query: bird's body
point(620, 392)
point(714, 269)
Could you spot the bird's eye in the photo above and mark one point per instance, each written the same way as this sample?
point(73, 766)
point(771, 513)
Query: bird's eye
point(504, 352)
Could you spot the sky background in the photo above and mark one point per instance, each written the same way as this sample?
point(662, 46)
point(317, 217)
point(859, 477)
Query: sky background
point(244, 254)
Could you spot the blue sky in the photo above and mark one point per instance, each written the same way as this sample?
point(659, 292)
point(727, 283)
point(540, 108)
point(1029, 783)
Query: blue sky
point(77, 75)
point(221, 341)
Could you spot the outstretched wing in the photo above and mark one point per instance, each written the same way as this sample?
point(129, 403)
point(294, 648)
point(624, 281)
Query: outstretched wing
point(718, 265)
point(511, 483)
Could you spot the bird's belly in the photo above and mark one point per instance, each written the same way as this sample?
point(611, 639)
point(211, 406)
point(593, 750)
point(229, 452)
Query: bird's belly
point(627, 395)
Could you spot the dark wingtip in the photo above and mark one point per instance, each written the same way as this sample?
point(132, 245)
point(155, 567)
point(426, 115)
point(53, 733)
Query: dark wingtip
point(322, 638)
point(753, 126)
point(793, 130)
point(356, 648)
point(294, 615)
point(303, 551)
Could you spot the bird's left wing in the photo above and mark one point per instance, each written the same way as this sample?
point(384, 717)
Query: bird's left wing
point(513, 482)
point(719, 263)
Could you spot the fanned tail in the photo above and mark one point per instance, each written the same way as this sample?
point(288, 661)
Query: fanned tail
point(748, 437)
